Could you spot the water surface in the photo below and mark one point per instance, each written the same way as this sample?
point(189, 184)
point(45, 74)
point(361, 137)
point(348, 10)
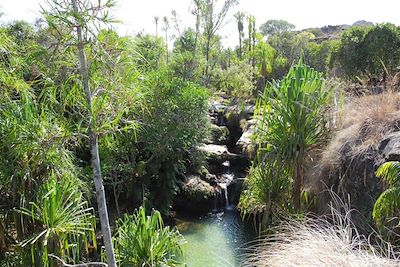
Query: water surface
point(215, 240)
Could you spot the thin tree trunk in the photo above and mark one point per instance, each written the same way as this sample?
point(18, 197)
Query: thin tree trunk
point(207, 61)
point(297, 182)
point(94, 151)
point(240, 45)
point(166, 43)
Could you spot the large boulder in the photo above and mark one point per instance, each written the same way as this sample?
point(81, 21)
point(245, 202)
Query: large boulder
point(196, 195)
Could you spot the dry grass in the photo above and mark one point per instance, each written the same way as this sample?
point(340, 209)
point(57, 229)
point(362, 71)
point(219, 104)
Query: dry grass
point(365, 122)
point(348, 163)
point(317, 242)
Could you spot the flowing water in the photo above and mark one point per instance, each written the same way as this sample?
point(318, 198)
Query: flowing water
point(215, 240)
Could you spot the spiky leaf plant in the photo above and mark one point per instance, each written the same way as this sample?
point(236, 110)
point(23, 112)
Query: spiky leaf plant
point(291, 121)
point(62, 223)
point(143, 240)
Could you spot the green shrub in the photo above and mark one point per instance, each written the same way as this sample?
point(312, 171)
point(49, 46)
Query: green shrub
point(143, 240)
point(368, 51)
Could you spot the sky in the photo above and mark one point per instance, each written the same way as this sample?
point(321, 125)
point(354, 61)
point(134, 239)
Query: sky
point(138, 15)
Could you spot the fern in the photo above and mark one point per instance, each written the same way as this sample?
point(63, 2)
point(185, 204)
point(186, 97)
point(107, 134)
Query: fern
point(388, 203)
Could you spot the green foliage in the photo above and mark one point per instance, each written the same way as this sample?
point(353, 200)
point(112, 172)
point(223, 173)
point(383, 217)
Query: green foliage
point(351, 53)
point(276, 26)
point(150, 52)
point(382, 46)
point(368, 51)
point(290, 122)
point(187, 62)
point(143, 240)
point(318, 55)
point(236, 80)
point(62, 223)
point(173, 125)
point(387, 205)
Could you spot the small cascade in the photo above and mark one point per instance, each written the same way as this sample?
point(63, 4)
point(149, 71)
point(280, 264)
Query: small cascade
point(226, 180)
point(224, 188)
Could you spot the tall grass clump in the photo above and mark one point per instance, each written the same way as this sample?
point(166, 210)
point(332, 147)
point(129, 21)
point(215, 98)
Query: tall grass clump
point(324, 241)
point(292, 118)
point(143, 240)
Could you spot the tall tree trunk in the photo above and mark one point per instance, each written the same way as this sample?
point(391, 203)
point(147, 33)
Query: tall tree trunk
point(240, 45)
point(94, 151)
point(166, 43)
point(206, 71)
point(254, 44)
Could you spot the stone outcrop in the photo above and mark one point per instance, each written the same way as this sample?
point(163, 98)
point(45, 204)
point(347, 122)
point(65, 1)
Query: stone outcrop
point(220, 183)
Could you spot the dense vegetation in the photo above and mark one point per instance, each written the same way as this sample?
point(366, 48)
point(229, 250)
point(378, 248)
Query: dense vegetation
point(94, 125)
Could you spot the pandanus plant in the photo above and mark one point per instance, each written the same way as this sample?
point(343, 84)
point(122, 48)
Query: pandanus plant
point(63, 224)
point(291, 117)
point(143, 240)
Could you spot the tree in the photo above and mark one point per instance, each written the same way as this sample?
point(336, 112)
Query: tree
point(276, 26)
point(382, 46)
point(156, 19)
point(103, 108)
point(239, 19)
point(166, 28)
point(251, 20)
point(186, 60)
point(212, 21)
point(350, 55)
point(150, 52)
point(93, 136)
point(197, 11)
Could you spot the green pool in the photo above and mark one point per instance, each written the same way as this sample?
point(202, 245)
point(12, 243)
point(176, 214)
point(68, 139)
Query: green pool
point(215, 240)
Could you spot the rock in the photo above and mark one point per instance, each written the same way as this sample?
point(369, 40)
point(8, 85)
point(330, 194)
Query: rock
point(244, 143)
point(216, 112)
point(196, 195)
point(217, 154)
point(390, 147)
point(219, 135)
point(197, 189)
point(212, 179)
point(236, 117)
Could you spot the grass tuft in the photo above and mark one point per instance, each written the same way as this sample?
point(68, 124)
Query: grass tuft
point(324, 241)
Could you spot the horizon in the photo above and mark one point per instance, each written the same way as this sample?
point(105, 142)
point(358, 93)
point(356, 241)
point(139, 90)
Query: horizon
point(139, 18)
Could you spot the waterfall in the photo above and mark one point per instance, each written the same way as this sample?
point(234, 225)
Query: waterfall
point(224, 188)
point(227, 179)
